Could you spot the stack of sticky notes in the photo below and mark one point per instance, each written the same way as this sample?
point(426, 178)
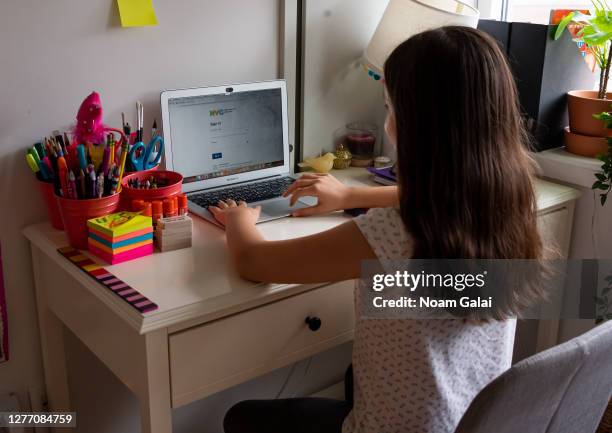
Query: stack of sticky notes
point(173, 233)
point(121, 236)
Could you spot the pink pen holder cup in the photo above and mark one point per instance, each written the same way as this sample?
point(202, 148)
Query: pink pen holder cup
point(75, 214)
point(48, 194)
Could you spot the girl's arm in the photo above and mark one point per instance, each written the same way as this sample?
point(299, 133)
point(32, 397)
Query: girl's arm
point(333, 195)
point(333, 255)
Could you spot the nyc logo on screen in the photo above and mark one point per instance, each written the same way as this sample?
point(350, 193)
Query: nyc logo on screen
point(220, 112)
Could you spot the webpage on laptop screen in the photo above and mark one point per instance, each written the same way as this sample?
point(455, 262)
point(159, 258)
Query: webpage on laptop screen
point(222, 135)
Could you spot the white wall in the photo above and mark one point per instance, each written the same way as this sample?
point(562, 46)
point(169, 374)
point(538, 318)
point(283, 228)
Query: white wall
point(591, 234)
point(591, 238)
point(53, 53)
point(336, 88)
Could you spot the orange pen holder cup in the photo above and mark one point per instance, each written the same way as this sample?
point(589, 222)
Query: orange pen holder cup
point(48, 194)
point(75, 214)
point(172, 178)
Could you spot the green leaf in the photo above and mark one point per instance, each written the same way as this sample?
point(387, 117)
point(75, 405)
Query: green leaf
point(603, 199)
point(601, 177)
point(563, 24)
point(600, 185)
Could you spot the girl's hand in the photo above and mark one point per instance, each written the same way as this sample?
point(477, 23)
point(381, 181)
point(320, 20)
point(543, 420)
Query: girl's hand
point(332, 195)
point(230, 210)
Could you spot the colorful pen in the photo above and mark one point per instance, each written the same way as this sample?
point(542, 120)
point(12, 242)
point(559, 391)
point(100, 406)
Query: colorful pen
point(33, 166)
point(124, 152)
point(62, 173)
point(92, 181)
point(81, 156)
point(72, 185)
point(105, 160)
point(100, 185)
point(82, 189)
point(69, 190)
point(116, 181)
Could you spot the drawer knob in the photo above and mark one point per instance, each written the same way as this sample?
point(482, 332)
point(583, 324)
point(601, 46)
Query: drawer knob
point(314, 323)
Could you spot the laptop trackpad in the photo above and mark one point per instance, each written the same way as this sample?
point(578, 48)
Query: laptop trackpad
point(280, 207)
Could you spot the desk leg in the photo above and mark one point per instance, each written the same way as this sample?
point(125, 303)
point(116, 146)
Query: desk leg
point(155, 399)
point(52, 342)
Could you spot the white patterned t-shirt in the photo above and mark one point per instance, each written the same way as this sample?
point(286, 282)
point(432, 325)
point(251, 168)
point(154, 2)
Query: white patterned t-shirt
point(418, 376)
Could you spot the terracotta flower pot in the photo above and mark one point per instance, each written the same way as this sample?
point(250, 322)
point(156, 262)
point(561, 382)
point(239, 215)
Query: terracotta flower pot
point(582, 105)
point(585, 145)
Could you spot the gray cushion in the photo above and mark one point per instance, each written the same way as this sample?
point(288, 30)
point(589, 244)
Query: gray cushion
point(562, 390)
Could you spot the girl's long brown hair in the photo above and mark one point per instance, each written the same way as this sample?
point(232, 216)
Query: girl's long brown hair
point(465, 177)
point(466, 182)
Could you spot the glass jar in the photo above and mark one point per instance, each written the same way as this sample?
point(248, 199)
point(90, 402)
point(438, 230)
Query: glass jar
point(360, 139)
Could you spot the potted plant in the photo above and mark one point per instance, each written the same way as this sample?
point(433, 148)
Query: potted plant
point(603, 183)
point(586, 134)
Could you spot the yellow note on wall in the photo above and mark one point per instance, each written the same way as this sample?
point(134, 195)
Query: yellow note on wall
point(136, 13)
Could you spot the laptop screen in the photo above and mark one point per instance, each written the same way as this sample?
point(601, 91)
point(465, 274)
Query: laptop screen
point(226, 134)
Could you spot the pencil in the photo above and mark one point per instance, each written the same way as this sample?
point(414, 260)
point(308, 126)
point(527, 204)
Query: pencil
point(124, 152)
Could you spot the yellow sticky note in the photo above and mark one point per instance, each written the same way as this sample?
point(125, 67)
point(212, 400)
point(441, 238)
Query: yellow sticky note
point(136, 13)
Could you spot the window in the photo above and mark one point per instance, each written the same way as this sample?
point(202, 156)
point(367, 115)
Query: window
point(538, 11)
point(532, 11)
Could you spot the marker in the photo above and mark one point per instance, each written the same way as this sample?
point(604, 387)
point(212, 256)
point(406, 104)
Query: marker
point(34, 154)
point(62, 173)
point(100, 185)
point(47, 162)
point(59, 140)
point(72, 185)
point(154, 129)
point(40, 150)
point(111, 144)
point(92, 183)
point(115, 186)
point(82, 188)
point(81, 157)
point(140, 122)
point(44, 173)
point(33, 166)
point(69, 190)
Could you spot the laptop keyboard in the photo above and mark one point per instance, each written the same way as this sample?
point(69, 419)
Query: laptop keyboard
point(250, 192)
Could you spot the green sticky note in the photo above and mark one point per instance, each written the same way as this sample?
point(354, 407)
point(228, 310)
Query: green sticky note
point(136, 13)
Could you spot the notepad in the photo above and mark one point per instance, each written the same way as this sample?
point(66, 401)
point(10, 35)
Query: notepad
point(120, 224)
point(121, 236)
point(136, 13)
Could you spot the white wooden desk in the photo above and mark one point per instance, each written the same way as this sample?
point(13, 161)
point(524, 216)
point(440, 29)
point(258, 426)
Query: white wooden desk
point(213, 329)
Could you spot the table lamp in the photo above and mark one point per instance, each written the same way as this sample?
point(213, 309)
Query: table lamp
point(405, 18)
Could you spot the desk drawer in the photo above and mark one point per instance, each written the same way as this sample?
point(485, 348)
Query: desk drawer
point(217, 355)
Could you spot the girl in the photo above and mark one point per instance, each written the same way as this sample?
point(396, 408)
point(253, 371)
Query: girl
point(465, 191)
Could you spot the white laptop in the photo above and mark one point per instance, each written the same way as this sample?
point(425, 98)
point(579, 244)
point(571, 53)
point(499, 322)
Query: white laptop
point(231, 142)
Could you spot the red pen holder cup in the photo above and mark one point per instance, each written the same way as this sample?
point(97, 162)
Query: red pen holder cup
point(48, 194)
point(172, 178)
point(75, 214)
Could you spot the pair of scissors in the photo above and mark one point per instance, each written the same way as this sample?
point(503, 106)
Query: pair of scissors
point(146, 157)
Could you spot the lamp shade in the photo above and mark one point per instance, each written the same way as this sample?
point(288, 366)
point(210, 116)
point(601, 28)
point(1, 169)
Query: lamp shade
point(405, 18)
